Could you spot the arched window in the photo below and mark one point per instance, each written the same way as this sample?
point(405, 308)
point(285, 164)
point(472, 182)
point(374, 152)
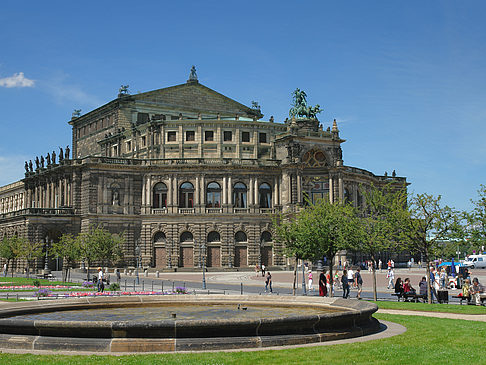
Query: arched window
point(186, 195)
point(160, 237)
point(214, 237)
point(159, 195)
point(266, 237)
point(239, 195)
point(240, 236)
point(213, 195)
point(265, 196)
point(187, 237)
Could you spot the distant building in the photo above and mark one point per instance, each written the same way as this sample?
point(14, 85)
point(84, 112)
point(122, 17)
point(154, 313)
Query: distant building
point(187, 173)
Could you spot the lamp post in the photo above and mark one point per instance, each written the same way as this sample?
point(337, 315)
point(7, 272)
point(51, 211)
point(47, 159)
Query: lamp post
point(203, 247)
point(137, 253)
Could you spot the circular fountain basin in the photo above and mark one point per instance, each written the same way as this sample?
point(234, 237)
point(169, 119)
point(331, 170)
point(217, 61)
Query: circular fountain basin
point(181, 322)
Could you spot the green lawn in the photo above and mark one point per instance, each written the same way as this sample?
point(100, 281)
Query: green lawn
point(424, 307)
point(6, 281)
point(426, 341)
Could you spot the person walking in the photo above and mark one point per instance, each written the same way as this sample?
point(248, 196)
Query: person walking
point(351, 277)
point(322, 284)
point(309, 276)
point(263, 270)
point(268, 282)
point(390, 275)
point(5, 269)
point(380, 264)
point(101, 286)
point(358, 282)
point(345, 284)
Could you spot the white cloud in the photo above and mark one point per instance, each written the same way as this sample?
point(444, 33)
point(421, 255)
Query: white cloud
point(17, 80)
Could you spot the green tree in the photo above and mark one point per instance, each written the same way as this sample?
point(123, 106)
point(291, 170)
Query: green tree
point(68, 248)
point(424, 225)
point(325, 228)
point(6, 251)
point(286, 229)
point(379, 225)
point(476, 221)
point(99, 245)
point(27, 250)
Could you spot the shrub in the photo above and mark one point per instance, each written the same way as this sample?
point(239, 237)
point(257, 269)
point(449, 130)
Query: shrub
point(114, 287)
point(36, 282)
point(180, 290)
point(88, 284)
point(44, 292)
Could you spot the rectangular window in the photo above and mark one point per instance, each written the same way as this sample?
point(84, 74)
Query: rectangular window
point(190, 136)
point(144, 141)
point(142, 118)
point(262, 138)
point(245, 136)
point(209, 136)
point(227, 136)
point(171, 136)
point(129, 146)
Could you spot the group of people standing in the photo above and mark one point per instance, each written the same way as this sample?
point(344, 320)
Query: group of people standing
point(348, 279)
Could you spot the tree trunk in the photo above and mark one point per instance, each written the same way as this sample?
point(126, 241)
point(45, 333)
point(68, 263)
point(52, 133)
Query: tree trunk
point(295, 276)
point(373, 267)
point(427, 270)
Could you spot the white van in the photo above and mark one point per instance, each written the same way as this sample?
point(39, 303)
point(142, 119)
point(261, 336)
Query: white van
point(475, 261)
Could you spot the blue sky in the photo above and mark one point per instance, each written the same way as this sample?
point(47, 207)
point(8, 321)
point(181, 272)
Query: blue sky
point(405, 81)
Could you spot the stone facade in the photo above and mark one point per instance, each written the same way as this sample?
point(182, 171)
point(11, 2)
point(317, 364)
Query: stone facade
point(189, 175)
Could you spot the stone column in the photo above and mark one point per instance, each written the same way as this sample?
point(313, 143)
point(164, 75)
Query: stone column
point(299, 188)
point(250, 195)
point(230, 193)
point(224, 192)
point(341, 188)
point(275, 192)
point(331, 189)
point(255, 191)
point(203, 189)
point(197, 194)
point(170, 202)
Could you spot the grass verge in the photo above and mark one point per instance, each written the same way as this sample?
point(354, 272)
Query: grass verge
point(424, 307)
point(426, 341)
point(6, 281)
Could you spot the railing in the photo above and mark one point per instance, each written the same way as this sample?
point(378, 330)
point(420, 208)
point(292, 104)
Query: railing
point(240, 210)
point(214, 210)
point(186, 210)
point(269, 210)
point(38, 211)
point(159, 211)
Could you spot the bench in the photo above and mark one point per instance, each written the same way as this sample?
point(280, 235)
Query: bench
point(49, 277)
point(469, 299)
point(406, 296)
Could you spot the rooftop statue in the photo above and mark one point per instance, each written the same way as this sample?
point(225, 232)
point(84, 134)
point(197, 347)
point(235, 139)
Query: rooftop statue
point(193, 75)
point(123, 90)
point(300, 108)
point(76, 113)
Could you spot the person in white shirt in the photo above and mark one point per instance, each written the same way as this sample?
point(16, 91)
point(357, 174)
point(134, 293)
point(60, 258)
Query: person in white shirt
point(390, 275)
point(101, 286)
point(351, 277)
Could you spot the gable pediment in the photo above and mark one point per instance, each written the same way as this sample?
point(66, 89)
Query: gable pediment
point(195, 97)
